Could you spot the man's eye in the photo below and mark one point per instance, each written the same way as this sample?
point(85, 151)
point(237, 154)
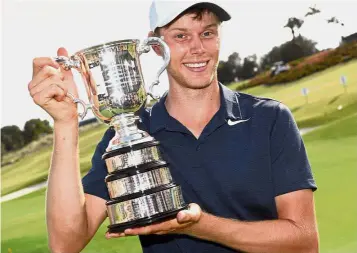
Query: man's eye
point(180, 36)
point(207, 34)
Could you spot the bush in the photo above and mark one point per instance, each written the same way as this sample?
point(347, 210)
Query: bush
point(306, 66)
point(11, 138)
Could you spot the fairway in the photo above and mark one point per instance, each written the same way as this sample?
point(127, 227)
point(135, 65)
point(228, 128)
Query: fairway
point(325, 95)
point(332, 152)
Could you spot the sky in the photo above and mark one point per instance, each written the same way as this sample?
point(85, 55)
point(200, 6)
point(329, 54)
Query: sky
point(37, 28)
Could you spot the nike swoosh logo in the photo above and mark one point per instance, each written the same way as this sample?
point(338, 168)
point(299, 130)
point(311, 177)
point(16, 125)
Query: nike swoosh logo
point(232, 123)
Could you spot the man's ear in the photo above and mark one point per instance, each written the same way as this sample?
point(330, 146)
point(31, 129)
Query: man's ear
point(156, 48)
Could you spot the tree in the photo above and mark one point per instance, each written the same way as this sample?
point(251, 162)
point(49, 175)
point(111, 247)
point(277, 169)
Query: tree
point(3, 151)
point(225, 72)
point(34, 128)
point(289, 51)
point(294, 23)
point(234, 59)
point(274, 55)
point(12, 138)
point(297, 49)
point(229, 71)
point(250, 67)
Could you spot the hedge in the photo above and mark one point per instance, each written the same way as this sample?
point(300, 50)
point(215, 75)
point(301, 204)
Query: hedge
point(306, 66)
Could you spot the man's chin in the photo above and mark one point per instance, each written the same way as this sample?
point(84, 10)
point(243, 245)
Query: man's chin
point(193, 81)
point(198, 85)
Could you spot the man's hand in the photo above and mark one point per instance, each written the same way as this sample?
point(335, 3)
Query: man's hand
point(49, 87)
point(182, 224)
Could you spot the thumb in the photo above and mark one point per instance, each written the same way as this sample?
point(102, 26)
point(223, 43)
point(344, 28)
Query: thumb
point(67, 73)
point(192, 214)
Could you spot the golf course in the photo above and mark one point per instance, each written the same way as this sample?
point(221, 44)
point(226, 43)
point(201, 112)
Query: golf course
point(328, 109)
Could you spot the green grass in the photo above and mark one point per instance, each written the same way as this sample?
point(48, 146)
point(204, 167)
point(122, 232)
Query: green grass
point(332, 153)
point(326, 94)
point(237, 85)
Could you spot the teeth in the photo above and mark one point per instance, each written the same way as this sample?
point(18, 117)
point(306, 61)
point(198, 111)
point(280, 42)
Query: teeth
point(196, 65)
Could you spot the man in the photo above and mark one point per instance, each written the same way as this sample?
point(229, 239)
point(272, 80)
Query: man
point(239, 159)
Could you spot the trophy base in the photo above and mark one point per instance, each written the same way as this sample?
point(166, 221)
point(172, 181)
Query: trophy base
point(119, 228)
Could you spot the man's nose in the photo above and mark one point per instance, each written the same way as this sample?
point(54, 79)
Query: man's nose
point(196, 45)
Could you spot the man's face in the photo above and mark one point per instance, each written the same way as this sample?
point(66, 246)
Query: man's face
point(194, 46)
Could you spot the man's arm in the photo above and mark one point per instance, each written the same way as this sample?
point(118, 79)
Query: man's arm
point(72, 216)
point(295, 230)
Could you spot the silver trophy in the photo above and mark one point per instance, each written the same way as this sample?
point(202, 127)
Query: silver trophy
point(139, 181)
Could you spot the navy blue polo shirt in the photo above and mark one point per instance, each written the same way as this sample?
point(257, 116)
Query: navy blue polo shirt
point(250, 152)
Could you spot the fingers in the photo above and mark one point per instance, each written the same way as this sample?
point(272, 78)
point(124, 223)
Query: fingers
point(43, 97)
point(40, 62)
point(114, 235)
point(44, 73)
point(67, 73)
point(47, 72)
point(62, 52)
point(158, 228)
point(57, 80)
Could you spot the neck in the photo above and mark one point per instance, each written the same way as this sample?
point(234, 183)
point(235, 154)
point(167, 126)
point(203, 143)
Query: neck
point(194, 108)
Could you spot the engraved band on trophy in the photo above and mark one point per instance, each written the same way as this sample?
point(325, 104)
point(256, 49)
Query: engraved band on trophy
point(139, 181)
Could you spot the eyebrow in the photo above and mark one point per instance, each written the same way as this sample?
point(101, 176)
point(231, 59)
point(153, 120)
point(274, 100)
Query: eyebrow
point(185, 29)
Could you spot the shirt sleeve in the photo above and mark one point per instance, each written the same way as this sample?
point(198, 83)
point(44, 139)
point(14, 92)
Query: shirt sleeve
point(93, 182)
point(290, 165)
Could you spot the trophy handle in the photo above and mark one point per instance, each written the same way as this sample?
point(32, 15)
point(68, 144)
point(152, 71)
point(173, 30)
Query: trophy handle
point(144, 48)
point(67, 64)
point(81, 102)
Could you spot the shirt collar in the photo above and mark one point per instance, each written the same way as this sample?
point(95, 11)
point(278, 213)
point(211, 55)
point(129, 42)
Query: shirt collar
point(160, 118)
point(230, 103)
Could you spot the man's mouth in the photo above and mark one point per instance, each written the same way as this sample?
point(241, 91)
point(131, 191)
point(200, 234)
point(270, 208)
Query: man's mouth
point(197, 66)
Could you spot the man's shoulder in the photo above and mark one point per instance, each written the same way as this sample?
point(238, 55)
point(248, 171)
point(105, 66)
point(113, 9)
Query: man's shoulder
point(264, 106)
point(258, 101)
point(265, 109)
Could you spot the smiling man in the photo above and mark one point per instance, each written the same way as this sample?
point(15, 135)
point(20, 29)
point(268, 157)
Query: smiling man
point(239, 159)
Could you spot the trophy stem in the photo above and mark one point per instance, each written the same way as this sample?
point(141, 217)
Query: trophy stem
point(127, 132)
